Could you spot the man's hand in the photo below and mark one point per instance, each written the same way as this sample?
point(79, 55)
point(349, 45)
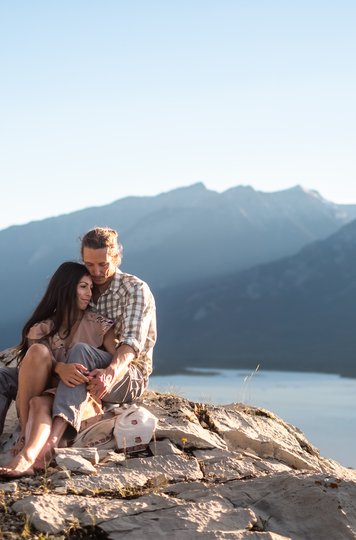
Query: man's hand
point(71, 374)
point(100, 382)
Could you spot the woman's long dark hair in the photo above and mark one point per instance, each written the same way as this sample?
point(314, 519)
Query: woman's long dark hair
point(58, 303)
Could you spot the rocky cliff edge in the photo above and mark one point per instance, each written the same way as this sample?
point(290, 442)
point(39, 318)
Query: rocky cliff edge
point(231, 471)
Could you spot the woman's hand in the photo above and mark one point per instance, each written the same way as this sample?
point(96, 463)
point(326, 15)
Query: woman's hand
point(71, 374)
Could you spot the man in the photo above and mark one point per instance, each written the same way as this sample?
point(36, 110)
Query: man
point(127, 301)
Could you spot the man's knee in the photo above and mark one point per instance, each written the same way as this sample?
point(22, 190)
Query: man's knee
point(4, 407)
point(78, 352)
point(8, 382)
point(8, 391)
point(130, 388)
point(90, 356)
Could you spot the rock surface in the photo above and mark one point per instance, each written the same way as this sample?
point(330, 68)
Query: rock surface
point(219, 472)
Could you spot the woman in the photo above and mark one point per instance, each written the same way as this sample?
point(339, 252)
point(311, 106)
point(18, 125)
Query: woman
point(60, 321)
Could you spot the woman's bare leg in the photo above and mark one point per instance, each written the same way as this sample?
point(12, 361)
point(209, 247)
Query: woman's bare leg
point(38, 430)
point(59, 425)
point(34, 377)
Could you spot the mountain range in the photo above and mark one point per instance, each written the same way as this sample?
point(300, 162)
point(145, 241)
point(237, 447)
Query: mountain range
point(221, 267)
point(297, 313)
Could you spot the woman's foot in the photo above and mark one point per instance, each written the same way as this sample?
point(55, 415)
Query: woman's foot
point(45, 457)
point(20, 466)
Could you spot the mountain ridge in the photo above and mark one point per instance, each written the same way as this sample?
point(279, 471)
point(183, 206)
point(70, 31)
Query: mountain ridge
point(296, 312)
point(188, 235)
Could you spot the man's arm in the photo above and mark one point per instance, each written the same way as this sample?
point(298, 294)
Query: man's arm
point(101, 380)
point(132, 334)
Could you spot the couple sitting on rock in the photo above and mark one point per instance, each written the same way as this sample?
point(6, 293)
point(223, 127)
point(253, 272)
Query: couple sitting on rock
point(88, 343)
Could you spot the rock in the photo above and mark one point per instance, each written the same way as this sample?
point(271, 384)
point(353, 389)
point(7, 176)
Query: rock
point(108, 480)
point(60, 490)
point(59, 476)
point(163, 448)
point(74, 463)
point(179, 423)
point(112, 457)
point(90, 454)
point(228, 472)
point(187, 519)
point(175, 468)
point(108, 453)
point(57, 481)
point(135, 473)
point(9, 487)
point(268, 436)
point(52, 514)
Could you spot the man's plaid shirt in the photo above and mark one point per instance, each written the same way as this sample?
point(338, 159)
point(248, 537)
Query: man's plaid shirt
point(130, 304)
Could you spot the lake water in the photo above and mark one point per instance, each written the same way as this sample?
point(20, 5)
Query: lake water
point(323, 406)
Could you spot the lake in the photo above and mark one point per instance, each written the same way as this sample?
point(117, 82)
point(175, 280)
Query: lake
point(323, 406)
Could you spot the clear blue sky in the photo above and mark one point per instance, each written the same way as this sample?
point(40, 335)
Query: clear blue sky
point(110, 98)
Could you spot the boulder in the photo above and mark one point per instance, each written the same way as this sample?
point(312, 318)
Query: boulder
point(219, 472)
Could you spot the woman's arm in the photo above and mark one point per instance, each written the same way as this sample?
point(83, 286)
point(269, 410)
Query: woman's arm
point(109, 341)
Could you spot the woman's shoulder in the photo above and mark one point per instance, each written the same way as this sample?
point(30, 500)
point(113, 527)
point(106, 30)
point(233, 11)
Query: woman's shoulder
point(40, 329)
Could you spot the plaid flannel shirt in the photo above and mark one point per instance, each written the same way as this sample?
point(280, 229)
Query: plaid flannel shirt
point(130, 304)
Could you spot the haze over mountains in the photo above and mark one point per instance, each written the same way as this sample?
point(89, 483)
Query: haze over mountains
point(297, 313)
point(204, 255)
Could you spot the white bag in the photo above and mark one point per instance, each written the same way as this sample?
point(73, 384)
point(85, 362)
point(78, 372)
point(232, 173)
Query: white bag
point(129, 430)
point(134, 429)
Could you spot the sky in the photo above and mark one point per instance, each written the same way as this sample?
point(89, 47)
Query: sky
point(106, 99)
